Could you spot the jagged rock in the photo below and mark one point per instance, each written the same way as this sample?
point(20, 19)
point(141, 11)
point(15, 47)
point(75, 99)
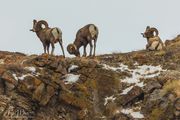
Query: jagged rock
point(74, 100)
point(177, 104)
point(43, 94)
point(177, 108)
point(111, 109)
point(38, 93)
point(29, 84)
point(2, 87)
point(61, 69)
point(133, 95)
point(9, 78)
point(49, 92)
point(151, 86)
point(4, 101)
point(120, 116)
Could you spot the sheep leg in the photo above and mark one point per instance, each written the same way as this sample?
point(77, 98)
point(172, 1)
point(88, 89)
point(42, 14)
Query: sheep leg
point(44, 46)
point(94, 47)
point(48, 47)
point(60, 42)
point(85, 53)
point(52, 45)
point(91, 47)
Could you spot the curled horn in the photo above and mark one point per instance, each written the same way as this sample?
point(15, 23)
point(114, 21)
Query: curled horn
point(155, 30)
point(39, 24)
point(71, 48)
point(148, 27)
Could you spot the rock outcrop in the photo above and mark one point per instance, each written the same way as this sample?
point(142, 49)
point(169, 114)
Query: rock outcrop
point(142, 85)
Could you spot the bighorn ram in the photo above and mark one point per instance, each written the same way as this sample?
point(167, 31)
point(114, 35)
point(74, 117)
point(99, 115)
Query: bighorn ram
point(153, 41)
point(47, 35)
point(84, 37)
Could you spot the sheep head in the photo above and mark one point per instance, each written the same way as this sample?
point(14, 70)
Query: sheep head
point(149, 33)
point(72, 49)
point(37, 25)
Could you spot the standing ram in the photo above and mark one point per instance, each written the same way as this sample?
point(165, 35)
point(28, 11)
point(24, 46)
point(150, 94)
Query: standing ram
point(47, 35)
point(153, 41)
point(84, 37)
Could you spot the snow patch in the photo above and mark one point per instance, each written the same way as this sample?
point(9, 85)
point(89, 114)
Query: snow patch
point(126, 90)
point(121, 67)
point(32, 69)
point(20, 78)
point(134, 114)
point(107, 99)
point(72, 68)
point(71, 78)
point(144, 71)
point(1, 61)
point(15, 77)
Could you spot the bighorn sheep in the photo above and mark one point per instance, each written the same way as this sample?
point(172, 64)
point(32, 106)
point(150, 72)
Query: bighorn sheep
point(84, 37)
point(47, 35)
point(153, 41)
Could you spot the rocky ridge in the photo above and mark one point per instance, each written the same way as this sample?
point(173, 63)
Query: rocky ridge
point(140, 85)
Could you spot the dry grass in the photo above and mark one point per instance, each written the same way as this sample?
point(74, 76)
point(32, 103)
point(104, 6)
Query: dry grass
point(156, 114)
point(171, 86)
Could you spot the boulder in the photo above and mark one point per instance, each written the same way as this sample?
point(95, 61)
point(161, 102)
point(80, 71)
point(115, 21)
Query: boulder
point(136, 93)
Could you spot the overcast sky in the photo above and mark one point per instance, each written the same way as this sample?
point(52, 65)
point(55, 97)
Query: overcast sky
point(120, 22)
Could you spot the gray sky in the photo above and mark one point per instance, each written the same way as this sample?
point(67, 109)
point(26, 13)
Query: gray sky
point(120, 22)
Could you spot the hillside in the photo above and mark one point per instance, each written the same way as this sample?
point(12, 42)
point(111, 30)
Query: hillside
point(139, 85)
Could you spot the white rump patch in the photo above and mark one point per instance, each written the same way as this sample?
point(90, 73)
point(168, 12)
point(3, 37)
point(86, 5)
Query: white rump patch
point(56, 33)
point(153, 45)
point(92, 30)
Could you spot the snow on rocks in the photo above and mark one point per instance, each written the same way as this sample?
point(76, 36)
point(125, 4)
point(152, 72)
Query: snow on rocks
point(1, 61)
point(134, 114)
point(126, 90)
point(32, 69)
point(144, 71)
point(108, 99)
point(22, 77)
point(121, 67)
point(71, 78)
point(15, 77)
point(72, 67)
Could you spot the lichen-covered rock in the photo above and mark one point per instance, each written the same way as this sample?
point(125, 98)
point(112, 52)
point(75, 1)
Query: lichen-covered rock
point(122, 86)
point(151, 86)
point(132, 96)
